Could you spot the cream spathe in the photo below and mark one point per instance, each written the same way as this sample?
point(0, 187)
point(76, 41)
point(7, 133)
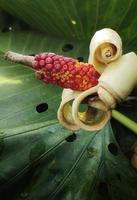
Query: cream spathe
point(105, 47)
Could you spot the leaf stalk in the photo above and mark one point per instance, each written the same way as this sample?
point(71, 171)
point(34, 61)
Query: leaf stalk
point(127, 122)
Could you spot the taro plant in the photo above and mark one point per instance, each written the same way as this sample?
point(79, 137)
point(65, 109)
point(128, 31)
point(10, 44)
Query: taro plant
point(39, 158)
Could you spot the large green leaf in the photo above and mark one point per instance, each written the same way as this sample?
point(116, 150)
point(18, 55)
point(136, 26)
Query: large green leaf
point(38, 163)
point(39, 158)
point(76, 19)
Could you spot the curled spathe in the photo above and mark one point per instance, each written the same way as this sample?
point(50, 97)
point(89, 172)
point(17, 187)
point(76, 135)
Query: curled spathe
point(114, 84)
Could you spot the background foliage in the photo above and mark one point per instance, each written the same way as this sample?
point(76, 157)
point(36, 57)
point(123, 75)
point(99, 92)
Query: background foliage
point(39, 159)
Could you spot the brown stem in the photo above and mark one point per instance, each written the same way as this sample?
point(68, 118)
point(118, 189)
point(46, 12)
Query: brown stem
point(19, 58)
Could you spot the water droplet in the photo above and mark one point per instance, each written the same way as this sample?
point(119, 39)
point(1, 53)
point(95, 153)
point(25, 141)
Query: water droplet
point(73, 22)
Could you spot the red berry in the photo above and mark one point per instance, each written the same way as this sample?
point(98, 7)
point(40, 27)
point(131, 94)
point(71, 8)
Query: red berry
point(49, 66)
point(82, 73)
point(38, 57)
point(51, 54)
point(65, 72)
point(85, 69)
point(73, 71)
point(55, 57)
point(44, 55)
point(71, 67)
point(56, 62)
point(57, 66)
point(49, 60)
point(35, 64)
point(62, 62)
point(41, 63)
point(65, 67)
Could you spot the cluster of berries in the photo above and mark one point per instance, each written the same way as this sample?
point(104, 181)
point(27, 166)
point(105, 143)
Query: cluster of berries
point(65, 72)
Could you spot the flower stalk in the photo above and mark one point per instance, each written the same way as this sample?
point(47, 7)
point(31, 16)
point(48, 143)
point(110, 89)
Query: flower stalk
point(19, 58)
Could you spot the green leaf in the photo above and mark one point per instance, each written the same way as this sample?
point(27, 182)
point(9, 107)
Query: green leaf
point(49, 167)
point(39, 159)
point(77, 20)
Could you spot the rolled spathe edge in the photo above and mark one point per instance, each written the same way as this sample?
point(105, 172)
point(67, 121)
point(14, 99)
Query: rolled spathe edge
point(65, 110)
point(75, 112)
point(105, 47)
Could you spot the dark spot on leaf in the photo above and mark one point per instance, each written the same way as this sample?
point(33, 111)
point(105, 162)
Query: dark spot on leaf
point(67, 47)
point(71, 138)
point(103, 189)
point(80, 59)
point(113, 149)
point(42, 107)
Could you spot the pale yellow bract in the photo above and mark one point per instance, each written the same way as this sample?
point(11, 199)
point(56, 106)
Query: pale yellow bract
point(118, 78)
